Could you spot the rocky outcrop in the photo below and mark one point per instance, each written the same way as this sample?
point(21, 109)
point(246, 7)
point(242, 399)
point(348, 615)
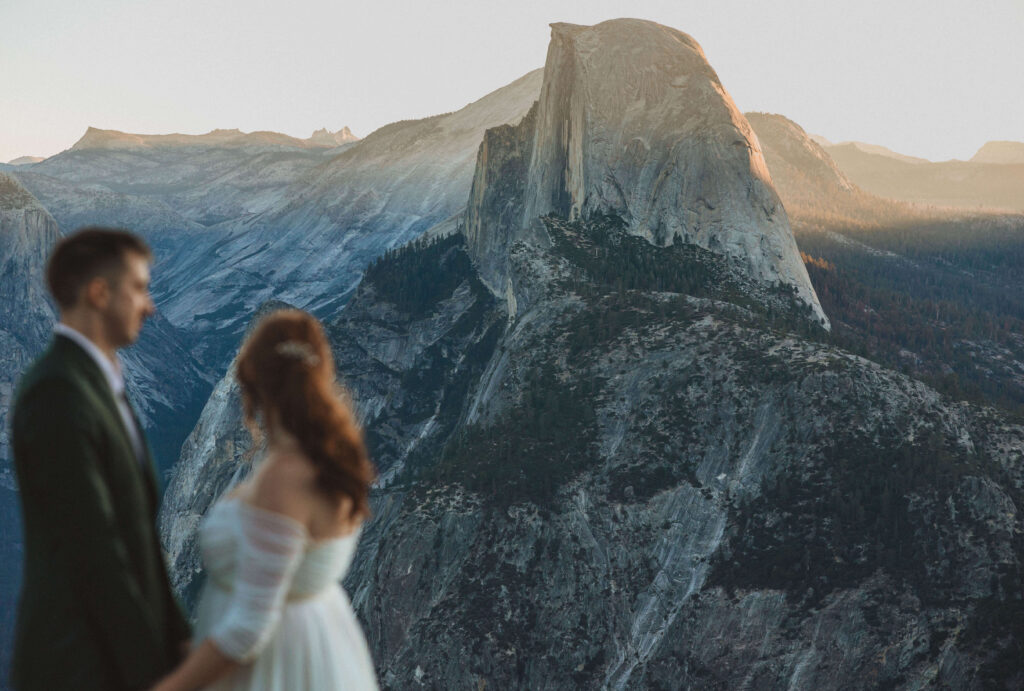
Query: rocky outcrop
point(633, 121)
point(323, 137)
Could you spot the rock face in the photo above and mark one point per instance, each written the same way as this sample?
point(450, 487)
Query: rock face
point(633, 121)
point(651, 490)
point(410, 370)
point(678, 498)
point(27, 233)
point(616, 463)
point(216, 455)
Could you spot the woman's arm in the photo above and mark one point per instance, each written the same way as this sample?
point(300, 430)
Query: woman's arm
point(274, 536)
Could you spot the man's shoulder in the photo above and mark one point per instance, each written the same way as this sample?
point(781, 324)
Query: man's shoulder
point(52, 380)
point(63, 359)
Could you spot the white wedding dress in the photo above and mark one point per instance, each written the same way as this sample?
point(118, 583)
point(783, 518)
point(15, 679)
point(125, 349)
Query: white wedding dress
point(273, 601)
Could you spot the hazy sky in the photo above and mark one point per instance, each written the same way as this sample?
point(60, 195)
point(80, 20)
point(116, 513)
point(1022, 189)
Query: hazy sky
point(930, 78)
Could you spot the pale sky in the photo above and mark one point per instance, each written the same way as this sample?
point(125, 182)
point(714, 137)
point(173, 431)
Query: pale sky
point(928, 78)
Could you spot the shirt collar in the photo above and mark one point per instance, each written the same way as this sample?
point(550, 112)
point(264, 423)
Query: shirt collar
point(111, 370)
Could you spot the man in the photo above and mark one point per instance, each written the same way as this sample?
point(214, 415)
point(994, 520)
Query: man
point(96, 608)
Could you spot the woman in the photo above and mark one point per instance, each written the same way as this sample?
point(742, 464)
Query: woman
point(272, 615)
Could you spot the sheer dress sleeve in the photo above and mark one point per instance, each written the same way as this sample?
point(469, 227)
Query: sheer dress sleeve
point(271, 549)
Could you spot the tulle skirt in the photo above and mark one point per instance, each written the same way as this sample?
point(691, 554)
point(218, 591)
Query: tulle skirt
point(318, 646)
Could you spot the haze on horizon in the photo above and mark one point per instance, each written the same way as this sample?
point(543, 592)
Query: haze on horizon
point(887, 73)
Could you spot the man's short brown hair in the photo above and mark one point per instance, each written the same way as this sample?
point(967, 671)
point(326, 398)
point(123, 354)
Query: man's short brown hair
point(86, 254)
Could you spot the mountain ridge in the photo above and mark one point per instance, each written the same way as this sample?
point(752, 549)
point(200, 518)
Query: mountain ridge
point(96, 138)
point(1000, 152)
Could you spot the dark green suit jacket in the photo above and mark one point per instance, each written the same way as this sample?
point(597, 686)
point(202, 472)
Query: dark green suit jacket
point(96, 609)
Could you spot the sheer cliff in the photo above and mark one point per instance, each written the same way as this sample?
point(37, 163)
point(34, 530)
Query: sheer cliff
point(633, 121)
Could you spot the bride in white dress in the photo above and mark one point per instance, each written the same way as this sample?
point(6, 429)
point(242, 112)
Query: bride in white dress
point(272, 615)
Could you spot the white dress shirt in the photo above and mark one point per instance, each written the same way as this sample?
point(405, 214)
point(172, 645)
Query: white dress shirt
point(112, 373)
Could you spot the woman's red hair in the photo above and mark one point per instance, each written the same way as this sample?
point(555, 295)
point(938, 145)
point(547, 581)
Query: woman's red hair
point(286, 371)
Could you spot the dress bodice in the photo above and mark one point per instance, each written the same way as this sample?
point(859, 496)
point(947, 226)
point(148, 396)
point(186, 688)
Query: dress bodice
point(322, 564)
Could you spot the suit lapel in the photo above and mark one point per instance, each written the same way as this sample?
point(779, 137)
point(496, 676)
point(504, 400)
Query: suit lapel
point(94, 377)
point(148, 467)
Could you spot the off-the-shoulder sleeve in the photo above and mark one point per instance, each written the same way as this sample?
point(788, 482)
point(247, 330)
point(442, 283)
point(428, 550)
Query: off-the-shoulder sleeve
point(271, 549)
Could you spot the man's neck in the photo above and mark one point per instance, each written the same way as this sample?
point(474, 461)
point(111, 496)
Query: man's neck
point(91, 327)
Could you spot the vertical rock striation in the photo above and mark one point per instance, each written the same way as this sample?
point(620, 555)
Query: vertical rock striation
point(633, 121)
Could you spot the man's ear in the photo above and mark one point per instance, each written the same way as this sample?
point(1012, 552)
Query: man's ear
point(97, 292)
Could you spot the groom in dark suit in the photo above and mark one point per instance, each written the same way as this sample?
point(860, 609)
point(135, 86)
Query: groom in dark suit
point(96, 609)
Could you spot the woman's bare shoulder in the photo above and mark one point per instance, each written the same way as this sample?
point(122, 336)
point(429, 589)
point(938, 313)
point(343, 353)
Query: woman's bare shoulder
point(285, 484)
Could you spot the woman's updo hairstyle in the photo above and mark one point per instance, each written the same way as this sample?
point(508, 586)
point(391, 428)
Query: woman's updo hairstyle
point(286, 373)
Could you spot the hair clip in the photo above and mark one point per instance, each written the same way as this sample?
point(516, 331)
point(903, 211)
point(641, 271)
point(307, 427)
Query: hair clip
point(297, 350)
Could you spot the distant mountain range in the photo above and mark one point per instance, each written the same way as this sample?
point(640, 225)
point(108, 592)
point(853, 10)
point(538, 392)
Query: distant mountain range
point(1000, 152)
point(112, 139)
point(25, 160)
point(970, 184)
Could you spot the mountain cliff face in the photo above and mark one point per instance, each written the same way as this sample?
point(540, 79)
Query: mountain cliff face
point(613, 458)
point(646, 488)
point(633, 121)
point(27, 233)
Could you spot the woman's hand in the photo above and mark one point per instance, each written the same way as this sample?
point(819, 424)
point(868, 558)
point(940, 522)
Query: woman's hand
point(203, 665)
